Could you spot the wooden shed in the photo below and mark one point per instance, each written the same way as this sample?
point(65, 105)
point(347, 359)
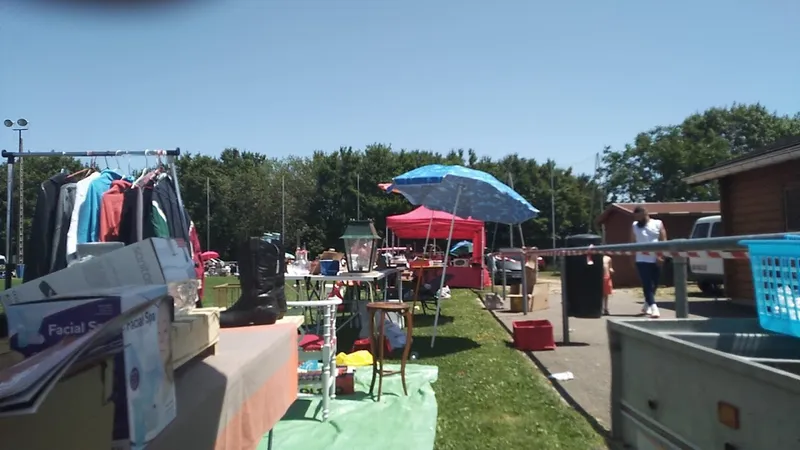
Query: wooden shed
point(616, 221)
point(759, 193)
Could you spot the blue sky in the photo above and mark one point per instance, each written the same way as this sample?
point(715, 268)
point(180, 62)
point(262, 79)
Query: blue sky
point(543, 79)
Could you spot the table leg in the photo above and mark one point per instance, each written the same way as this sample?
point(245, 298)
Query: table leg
point(382, 344)
point(400, 286)
point(269, 440)
point(371, 315)
point(314, 294)
point(407, 348)
point(314, 289)
point(416, 290)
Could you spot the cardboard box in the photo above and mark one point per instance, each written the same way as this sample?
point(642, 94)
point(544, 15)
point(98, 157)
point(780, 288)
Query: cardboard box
point(152, 261)
point(144, 388)
point(87, 425)
point(536, 301)
point(309, 383)
point(531, 276)
point(331, 254)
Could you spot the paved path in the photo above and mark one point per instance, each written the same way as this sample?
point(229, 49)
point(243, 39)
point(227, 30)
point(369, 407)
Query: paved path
point(587, 356)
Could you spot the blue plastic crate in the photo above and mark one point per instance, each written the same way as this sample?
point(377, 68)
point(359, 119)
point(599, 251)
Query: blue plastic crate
point(776, 281)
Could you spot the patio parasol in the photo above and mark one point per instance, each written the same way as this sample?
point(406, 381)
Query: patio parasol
point(461, 248)
point(205, 256)
point(467, 193)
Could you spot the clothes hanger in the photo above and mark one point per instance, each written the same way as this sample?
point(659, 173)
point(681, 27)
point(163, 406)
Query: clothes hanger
point(145, 172)
point(80, 172)
point(116, 158)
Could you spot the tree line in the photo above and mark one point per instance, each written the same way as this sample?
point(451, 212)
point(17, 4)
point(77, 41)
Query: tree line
point(248, 191)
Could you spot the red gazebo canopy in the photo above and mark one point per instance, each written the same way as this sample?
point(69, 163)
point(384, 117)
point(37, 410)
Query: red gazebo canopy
point(414, 225)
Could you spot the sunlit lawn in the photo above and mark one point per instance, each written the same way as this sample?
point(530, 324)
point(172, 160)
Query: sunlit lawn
point(490, 395)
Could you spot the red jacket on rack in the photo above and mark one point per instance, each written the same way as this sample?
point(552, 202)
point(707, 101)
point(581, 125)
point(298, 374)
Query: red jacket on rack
point(111, 210)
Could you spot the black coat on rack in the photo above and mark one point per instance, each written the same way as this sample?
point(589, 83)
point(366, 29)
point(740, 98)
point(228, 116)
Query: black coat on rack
point(164, 193)
point(39, 246)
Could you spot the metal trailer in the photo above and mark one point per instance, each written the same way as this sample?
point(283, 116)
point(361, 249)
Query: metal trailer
point(703, 384)
point(698, 383)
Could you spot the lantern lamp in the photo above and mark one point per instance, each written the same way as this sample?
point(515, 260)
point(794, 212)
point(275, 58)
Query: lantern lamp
point(360, 246)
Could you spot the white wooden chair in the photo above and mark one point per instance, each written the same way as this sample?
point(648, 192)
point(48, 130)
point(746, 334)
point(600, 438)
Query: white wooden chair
point(320, 348)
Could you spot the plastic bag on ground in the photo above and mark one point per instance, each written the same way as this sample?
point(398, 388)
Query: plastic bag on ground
point(355, 359)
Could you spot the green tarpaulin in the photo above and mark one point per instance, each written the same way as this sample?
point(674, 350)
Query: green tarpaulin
point(357, 421)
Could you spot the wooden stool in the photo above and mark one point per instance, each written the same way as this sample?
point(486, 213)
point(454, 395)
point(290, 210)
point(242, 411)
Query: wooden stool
point(378, 346)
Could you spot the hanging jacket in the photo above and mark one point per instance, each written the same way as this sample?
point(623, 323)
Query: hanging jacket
point(66, 204)
point(164, 193)
point(127, 233)
point(89, 214)
point(199, 268)
point(81, 190)
point(40, 240)
point(111, 210)
point(159, 221)
point(132, 224)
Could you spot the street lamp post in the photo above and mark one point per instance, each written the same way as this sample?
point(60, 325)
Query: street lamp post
point(22, 125)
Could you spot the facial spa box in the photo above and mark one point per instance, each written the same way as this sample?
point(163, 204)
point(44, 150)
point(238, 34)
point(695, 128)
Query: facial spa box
point(144, 390)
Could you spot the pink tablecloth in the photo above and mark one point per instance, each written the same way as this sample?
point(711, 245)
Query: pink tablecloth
point(230, 400)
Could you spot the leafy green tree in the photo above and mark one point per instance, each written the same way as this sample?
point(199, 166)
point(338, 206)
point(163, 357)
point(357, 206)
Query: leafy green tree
point(651, 168)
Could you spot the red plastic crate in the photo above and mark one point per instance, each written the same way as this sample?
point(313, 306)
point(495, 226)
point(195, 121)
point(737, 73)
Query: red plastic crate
point(363, 344)
point(533, 335)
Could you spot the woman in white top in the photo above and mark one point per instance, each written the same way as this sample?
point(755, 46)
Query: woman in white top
point(646, 230)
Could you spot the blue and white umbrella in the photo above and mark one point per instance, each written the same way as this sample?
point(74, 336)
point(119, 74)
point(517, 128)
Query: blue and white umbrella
point(466, 193)
point(480, 195)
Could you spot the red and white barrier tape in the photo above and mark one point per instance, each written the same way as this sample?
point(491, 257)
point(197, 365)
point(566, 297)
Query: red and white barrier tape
point(713, 254)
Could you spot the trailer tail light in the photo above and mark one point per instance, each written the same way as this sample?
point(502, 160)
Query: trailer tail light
point(728, 415)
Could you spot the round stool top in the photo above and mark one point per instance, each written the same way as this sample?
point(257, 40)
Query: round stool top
point(389, 306)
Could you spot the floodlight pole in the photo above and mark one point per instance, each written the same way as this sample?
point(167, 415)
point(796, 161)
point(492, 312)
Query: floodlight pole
point(22, 125)
point(21, 225)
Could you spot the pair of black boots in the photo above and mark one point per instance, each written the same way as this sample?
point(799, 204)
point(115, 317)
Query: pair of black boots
point(262, 268)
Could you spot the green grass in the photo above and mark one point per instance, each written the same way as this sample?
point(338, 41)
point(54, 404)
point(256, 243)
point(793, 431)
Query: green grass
point(490, 395)
point(216, 281)
point(213, 296)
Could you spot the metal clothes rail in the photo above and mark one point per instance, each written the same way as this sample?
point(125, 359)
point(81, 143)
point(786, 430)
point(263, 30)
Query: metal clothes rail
point(680, 250)
point(12, 156)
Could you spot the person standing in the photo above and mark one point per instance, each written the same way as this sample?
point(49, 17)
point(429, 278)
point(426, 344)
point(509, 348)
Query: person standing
point(608, 285)
point(647, 230)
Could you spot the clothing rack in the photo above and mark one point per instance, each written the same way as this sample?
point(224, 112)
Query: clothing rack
point(12, 156)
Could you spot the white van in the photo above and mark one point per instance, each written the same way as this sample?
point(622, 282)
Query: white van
point(707, 272)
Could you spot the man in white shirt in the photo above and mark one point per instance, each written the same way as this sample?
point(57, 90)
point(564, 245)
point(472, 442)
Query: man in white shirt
point(646, 230)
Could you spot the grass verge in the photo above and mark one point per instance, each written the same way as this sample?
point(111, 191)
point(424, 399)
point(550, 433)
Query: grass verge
point(490, 395)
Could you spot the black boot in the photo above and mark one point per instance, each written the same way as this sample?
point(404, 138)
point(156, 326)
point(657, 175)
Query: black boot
point(261, 277)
